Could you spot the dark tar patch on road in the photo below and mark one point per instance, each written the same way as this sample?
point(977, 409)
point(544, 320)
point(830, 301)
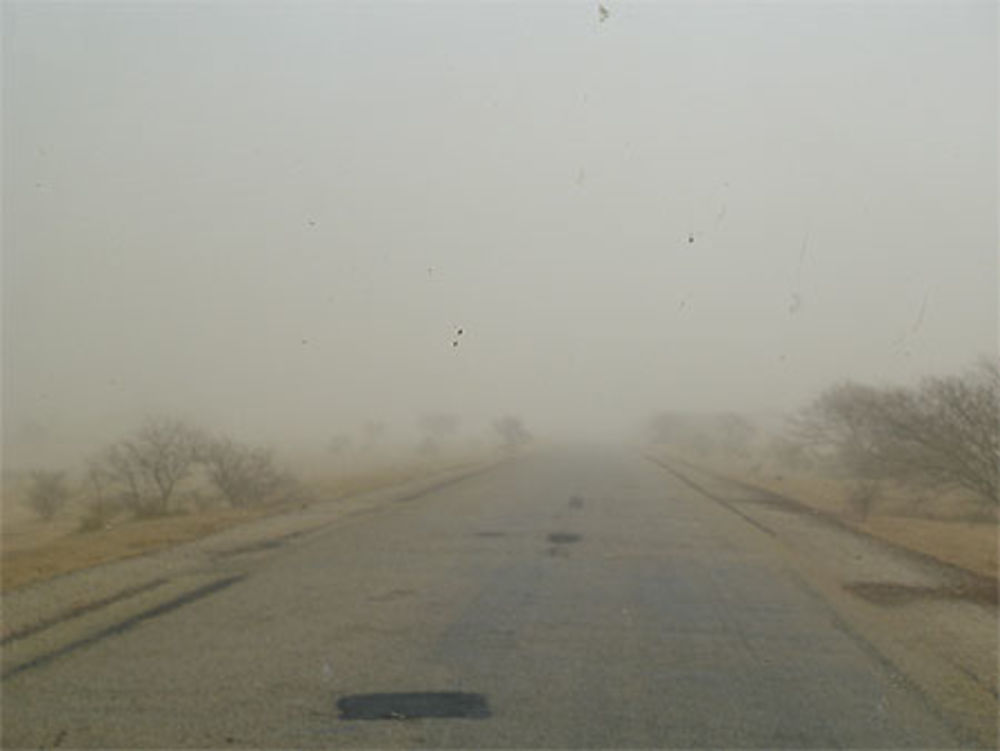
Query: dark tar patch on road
point(412, 706)
point(394, 594)
point(576, 502)
point(563, 538)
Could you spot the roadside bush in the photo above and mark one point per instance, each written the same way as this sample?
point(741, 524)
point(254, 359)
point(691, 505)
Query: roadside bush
point(726, 433)
point(96, 517)
point(941, 436)
point(47, 493)
point(146, 469)
point(512, 432)
point(862, 496)
point(244, 475)
point(436, 428)
point(100, 507)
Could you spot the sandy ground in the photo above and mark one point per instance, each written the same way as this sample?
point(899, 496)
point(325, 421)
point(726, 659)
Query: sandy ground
point(32, 550)
point(971, 545)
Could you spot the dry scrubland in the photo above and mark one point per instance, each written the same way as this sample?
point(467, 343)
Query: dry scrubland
point(33, 549)
point(918, 466)
point(168, 482)
point(951, 527)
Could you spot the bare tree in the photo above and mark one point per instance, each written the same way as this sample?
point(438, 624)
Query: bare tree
point(47, 493)
point(148, 467)
point(243, 474)
point(436, 427)
point(512, 432)
point(703, 432)
point(842, 425)
point(942, 435)
point(373, 432)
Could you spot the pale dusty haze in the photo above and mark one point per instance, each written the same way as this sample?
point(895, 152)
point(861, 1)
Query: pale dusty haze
point(274, 218)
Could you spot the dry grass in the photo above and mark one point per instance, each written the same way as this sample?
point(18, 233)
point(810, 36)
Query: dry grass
point(52, 557)
point(33, 550)
point(971, 545)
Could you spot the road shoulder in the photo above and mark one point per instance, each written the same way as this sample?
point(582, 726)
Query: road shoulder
point(50, 616)
point(935, 623)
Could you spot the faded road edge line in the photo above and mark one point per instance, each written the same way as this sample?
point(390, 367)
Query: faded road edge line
point(127, 624)
point(722, 502)
point(446, 482)
point(957, 573)
point(387, 505)
point(89, 607)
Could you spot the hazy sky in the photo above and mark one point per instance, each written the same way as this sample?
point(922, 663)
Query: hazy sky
point(273, 217)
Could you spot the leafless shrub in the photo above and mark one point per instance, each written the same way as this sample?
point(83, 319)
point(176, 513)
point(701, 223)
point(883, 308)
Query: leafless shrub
point(101, 506)
point(147, 468)
point(339, 444)
point(705, 433)
point(862, 496)
point(373, 433)
point(47, 493)
point(96, 517)
point(943, 435)
point(245, 475)
point(436, 428)
point(512, 432)
point(841, 428)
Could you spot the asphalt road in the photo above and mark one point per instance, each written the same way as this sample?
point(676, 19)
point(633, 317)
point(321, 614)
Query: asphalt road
point(575, 598)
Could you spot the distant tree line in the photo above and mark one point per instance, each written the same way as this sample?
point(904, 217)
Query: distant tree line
point(437, 432)
point(166, 464)
point(728, 432)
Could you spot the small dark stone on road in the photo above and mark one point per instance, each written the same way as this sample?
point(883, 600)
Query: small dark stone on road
point(406, 706)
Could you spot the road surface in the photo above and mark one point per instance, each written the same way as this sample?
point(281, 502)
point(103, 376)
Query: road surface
point(573, 598)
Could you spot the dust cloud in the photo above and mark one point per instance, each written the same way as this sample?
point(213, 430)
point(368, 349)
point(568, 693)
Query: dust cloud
point(339, 227)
